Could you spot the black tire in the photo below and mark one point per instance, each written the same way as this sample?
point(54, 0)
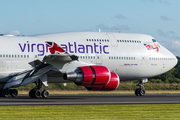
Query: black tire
point(45, 93)
point(38, 93)
point(31, 93)
point(6, 93)
point(137, 92)
point(142, 92)
point(13, 93)
point(1, 95)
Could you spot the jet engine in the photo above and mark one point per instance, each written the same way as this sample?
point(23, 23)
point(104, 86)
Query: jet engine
point(94, 78)
point(112, 85)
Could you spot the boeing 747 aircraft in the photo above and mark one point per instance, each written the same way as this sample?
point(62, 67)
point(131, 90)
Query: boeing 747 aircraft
point(97, 61)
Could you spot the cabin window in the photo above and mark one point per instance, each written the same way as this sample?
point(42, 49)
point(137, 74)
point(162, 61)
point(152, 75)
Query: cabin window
point(153, 40)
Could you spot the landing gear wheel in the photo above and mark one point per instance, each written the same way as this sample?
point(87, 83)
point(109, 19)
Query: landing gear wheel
point(142, 92)
point(1, 95)
point(37, 93)
point(137, 92)
point(45, 93)
point(13, 93)
point(6, 93)
point(31, 93)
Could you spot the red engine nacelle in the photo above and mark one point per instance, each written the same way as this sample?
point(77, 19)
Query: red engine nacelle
point(93, 76)
point(112, 85)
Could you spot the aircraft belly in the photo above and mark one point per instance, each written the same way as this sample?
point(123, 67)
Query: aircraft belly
point(57, 80)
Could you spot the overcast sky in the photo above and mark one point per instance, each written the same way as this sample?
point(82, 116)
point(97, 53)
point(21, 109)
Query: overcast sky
point(158, 18)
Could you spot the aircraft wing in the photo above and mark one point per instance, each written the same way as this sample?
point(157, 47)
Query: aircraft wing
point(58, 59)
point(29, 76)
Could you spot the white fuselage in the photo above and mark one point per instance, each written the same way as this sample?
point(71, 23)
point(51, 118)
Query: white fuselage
point(131, 56)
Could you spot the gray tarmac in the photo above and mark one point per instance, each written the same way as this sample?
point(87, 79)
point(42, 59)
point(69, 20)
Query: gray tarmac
point(92, 100)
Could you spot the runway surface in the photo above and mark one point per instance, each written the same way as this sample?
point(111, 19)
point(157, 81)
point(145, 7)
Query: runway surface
point(92, 100)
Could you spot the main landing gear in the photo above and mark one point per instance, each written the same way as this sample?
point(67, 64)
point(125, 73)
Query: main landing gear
point(8, 93)
point(141, 90)
point(37, 92)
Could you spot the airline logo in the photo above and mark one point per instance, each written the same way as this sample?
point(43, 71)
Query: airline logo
point(74, 47)
point(54, 48)
point(155, 47)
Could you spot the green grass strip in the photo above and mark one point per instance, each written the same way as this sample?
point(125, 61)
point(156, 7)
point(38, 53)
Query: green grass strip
point(92, 112)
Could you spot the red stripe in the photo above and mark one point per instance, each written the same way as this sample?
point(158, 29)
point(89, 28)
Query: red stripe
point(88, 75)
point(102, 75)
point(113, 84)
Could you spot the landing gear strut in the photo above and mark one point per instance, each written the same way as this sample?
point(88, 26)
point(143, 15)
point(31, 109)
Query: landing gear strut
point(37, 92)
point(141, 90)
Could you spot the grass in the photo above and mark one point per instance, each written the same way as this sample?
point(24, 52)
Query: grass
point(92, 112)
point(63, 92)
